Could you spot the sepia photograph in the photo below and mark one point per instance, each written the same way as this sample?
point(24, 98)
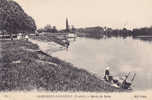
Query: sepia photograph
point(75, 49)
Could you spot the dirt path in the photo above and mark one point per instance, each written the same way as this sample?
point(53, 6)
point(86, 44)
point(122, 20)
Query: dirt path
point(47, 47)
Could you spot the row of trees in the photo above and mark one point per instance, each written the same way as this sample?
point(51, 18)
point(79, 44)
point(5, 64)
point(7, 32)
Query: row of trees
point(13, 19)
point(146, 31)
point(53, 29)
point(99, 32)
point(48, 28)
point(94, 32)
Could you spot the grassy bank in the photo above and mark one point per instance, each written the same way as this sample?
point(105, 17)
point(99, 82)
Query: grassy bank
point(23, 67)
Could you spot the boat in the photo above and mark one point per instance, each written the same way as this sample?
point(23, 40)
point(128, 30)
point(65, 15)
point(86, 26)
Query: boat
point(121, 81)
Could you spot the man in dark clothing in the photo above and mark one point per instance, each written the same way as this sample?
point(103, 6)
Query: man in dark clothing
point(67, 44)
point(107, 73)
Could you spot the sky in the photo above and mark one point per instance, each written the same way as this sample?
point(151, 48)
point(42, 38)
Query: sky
point(88, 13)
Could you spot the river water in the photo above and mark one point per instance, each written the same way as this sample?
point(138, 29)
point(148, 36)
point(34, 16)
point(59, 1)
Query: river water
point(121, 55)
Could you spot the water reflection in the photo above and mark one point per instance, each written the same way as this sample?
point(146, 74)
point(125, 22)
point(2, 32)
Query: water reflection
point(122, 55)
point(145, 39)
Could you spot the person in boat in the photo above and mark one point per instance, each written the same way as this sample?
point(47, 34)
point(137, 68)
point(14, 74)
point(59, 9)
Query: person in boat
point(107, 76)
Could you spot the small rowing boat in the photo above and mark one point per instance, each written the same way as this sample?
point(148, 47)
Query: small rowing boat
point(121, 81)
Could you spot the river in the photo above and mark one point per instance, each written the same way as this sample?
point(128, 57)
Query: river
point(121, 55)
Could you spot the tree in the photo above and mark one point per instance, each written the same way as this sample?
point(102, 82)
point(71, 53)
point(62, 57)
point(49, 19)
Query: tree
point(54, 30)
point(29, 24)
point(3, 13)
point(13, 19)
point(48, 28)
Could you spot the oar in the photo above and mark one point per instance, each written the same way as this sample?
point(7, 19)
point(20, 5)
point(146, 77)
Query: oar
point(127, 76)
point(133, 77)
point(121, 75)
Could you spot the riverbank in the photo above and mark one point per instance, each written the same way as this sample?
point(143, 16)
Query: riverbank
point(47, 47)
point(24, 66)
point(50, 37)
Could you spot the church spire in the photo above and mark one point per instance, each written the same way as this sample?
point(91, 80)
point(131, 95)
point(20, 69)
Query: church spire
point(67, 25)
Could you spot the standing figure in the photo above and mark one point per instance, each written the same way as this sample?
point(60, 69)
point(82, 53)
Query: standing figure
point(26, 37)
point(107, 73)
point(107, 76)
point(67, 44)
point(19, 36)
